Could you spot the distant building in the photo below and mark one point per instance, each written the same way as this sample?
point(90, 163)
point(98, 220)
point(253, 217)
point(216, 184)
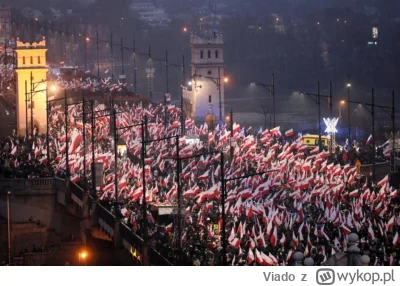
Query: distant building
point(151, 15)
point(5, 25)
point(205, 100)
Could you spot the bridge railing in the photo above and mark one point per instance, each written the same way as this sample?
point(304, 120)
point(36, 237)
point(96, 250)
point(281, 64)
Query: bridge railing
point(77, 194)
point(20, 184)
point(106, 220)
point(381, 169)
point(156, 259)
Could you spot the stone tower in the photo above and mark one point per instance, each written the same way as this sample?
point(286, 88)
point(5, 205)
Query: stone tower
point(31, 72)
point(207, 75)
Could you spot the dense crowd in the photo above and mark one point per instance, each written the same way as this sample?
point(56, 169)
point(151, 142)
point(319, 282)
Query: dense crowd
point(306, 200)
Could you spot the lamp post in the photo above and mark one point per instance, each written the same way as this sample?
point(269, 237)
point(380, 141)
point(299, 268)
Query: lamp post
point(271, 89)
point(348, 109)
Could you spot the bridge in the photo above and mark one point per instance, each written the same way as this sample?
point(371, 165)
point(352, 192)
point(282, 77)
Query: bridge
point(43, 197)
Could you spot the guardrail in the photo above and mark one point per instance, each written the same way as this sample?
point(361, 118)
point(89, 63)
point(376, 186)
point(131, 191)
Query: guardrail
point(106, 220)
point(156, 259)
point(36, 183)
point(77, 194)
point(381, 169)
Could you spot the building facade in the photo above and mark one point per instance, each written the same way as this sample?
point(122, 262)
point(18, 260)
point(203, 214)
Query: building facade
point(5, 25)
point(31, 94)
point(206, 96)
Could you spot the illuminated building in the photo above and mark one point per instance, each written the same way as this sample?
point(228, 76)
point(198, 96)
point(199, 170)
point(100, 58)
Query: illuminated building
point(31, 60)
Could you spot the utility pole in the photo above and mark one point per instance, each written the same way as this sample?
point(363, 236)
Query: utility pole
point(273, 98)
point(394, 134)
point(348, 108)
point(84, 139)
point(47, 127)
point(373, 136)
point(223, 195)
point(182, 107)
point(97, 53)
point(319, 117)
point(219, 94)
point(166, 90)
point(66, 134)
point(178, 182)
point(144, 204)
point(231, 139)
point(134, 67)
point(94, 193)
point(26, 110)
point(85, 46)
point(122, 57)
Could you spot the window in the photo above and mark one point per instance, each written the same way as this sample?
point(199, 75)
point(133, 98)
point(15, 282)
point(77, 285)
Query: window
point(209, 99)
point(307, 141)
point(216, 54)
point(31, 60)
point(209, 72)
point(201, 54)
point(209, 54)
point(23, 60)
point(38, 60)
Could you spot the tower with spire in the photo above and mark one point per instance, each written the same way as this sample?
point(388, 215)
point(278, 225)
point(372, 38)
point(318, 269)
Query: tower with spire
point(207, 71)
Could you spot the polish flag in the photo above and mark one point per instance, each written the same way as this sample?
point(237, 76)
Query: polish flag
point(369, 140)
point(396, 239)
point(250, 257)
point(289, 133)
point(210, 138)
point(390, 224)
point(259, 258)
point(283, 239)
point(382, 182)
point(168, 228)
point(315, 151)
point(236, 128)
point(274, 238)
point(267, 261)
point(75, 178)
point(371, 233)
point(235, 242)
point(122, 183)
point(345, 229)
point(203, 177)
point(353, 194)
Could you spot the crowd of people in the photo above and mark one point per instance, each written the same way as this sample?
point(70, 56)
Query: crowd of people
point(291, 198)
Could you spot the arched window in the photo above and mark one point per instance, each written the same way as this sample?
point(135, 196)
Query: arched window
point(31, 60)
point(23, 60)
point(216, 54)
point(209, 54)
point(201, 54)
point(209, 99)
point(38, 60)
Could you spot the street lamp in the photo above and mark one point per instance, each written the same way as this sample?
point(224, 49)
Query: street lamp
point(341, 104)
point(185, 29)
point(82, 256)
point(271, 89)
